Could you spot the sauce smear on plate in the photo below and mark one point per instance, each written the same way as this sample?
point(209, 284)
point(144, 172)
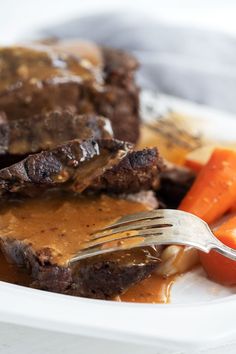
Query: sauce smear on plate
point(154, 289)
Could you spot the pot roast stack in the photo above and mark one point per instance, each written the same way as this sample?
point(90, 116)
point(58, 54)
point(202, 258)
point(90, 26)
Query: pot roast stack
point(68, 120)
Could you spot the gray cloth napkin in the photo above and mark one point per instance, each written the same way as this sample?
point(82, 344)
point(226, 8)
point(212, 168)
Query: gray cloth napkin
point(189, 63)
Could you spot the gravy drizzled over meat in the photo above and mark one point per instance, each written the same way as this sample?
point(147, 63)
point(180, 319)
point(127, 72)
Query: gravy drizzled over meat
point(64, 174)
point(43, 234)
point(84, 79)
point(61, 222)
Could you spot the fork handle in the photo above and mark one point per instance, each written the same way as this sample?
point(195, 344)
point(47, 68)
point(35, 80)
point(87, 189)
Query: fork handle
point(223, 249)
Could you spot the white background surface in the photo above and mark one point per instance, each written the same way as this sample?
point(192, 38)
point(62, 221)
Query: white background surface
point(19, 17)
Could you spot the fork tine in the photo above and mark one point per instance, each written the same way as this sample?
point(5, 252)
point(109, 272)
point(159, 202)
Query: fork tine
point(96, 249)
point(151, 240)
point(186, 229)
point(153, 230)
point(122, 237)
point(145, 227)
point(153, 214)
point(132, 226)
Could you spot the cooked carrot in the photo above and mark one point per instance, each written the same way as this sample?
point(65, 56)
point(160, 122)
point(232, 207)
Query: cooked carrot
point(233, 208)
point(199, 157)
point(193, 165)
point(218, 267)
point(214, 190)
point(227, 230)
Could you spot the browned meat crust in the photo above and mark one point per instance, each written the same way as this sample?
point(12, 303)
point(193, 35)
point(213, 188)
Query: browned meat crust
point(79, 165)
point(139, 170)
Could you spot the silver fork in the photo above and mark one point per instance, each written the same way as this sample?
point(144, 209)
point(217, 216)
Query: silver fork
point(156, 227)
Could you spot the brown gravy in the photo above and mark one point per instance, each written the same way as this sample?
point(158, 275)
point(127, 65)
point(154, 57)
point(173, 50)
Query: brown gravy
point(154, 289)
point(61, 222)
point(31, 64)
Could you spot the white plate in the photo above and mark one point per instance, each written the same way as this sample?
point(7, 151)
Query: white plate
point(200, 318)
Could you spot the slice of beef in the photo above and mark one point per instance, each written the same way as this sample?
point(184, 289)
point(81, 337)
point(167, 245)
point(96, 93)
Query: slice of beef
point(45, 131)
point(102, 277)
point(175, 182)
point(37, 79)
point(138, 170)
point(107, 165)
point(120, 98)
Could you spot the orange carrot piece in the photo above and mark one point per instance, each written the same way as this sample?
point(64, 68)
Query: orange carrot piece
point(227, 230)
point(214, 190)
point(219, 268)
point(193, 165)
